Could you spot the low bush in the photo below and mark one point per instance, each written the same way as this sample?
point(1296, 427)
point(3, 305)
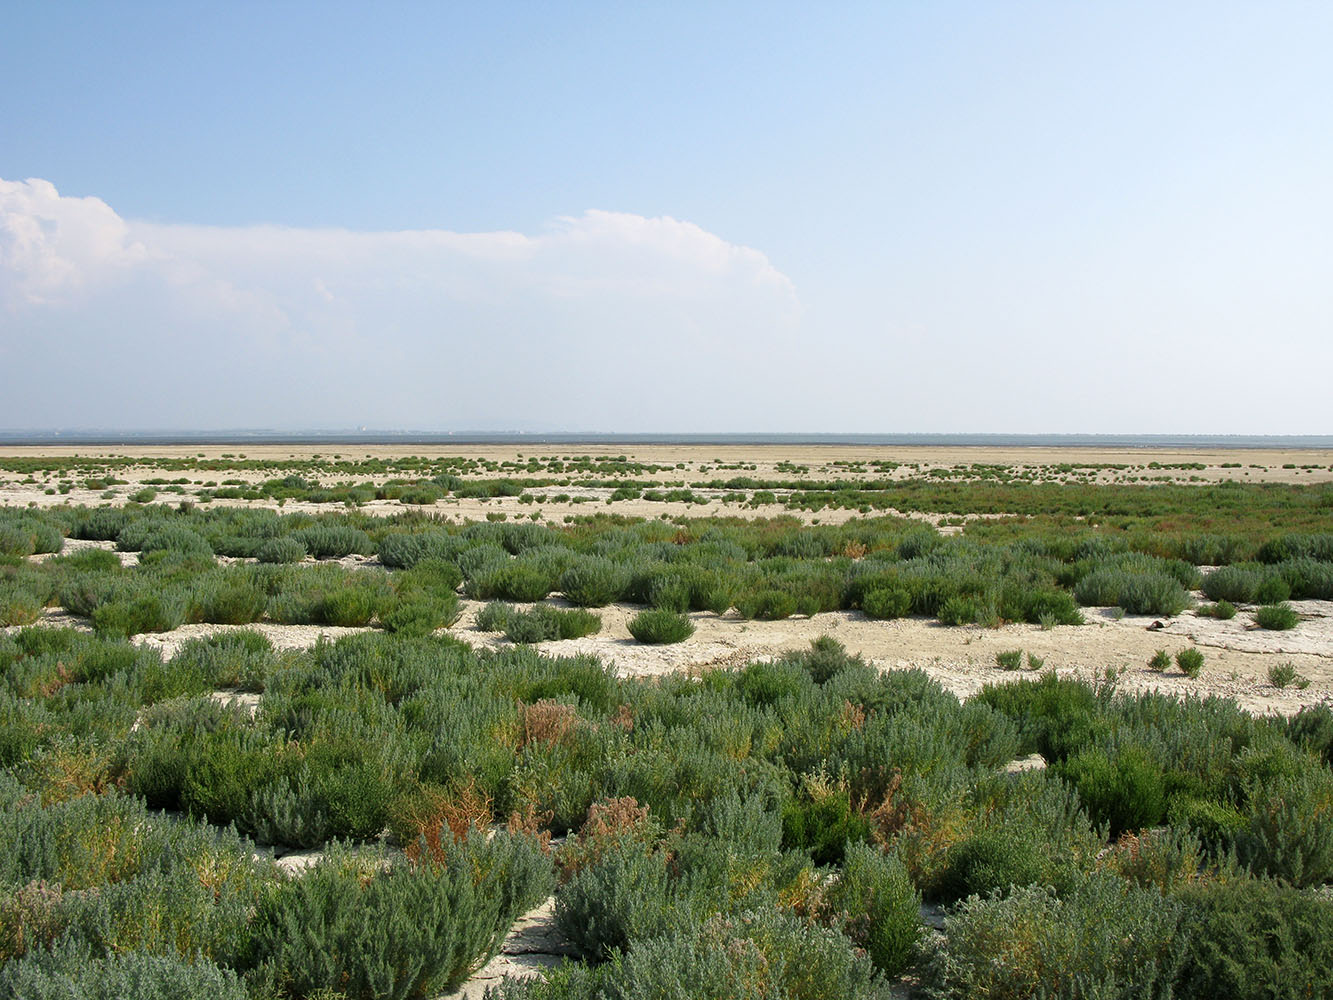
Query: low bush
point(887, 602)
point(1255, 938)
point(283, 549)
point(1124, 790)
point(659, 627)
point(595, 582)
point(1160, 660)
point(823, 824)
point(368, 927)
point(878, 907)
point(543, 623)
point(1222, 611)
point(71, 972)
point(494, 617)
point(1278, 617)
point(1139, 593)
point(421, 614)
point(1107, 938)
point(1288, 835)
point(1010, 659)
point(1190, 661)
point(333, 541)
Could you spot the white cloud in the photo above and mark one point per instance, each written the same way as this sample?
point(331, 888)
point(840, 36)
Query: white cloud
point(605, 320)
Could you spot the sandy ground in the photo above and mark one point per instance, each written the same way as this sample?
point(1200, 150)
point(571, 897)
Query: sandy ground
point(962, 658)
point(688, 465)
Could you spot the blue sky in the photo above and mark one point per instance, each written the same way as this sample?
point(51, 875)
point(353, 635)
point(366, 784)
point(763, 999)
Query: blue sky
point(1035, 217)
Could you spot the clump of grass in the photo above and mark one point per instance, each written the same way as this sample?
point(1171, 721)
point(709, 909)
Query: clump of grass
point(660, 627)
point(284, 549)
point(1278, 617)
point(1190, 662)
point(1222, 611)
point(544, 623)
point(1036, 662)
point(1010, 659)
point(1160, 660)
point(1283, 674)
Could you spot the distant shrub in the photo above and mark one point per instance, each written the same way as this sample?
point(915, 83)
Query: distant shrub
point(1139, 593)
point(1312, 729)
point(887, 602)
point(1272, 590)
point(1160, 660)
point(421, 614)
point(283, 549)
point(333, 541)
point(228, 600)
point(402, 550)
point(823, 824)
point(1234, 584)
point(594, 582)
point(494, 617)
point(1190, 662)
point(992, 859)
point(659, 627)
point(1278, 617)
point(1010, 659)
point(1282, 674)
point(964, 610)
point(766, 605)
point(1222, 611)
point(544, 623)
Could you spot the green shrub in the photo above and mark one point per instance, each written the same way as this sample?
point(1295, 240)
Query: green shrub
point(660, 627)
point(1282, 674)
point(1106, 939)
point(753, 955)
point(878, 907)
point(766, 605)
point(823, 825)
point(992, 859)
point(1190, 661)
point(1125, 791)
point(1222, 611)
point(887, 602)
point(1255, 938)
point(404, 550)
point(1234, 584)
point(1288, 834)
point(1139, 593)
point(1011, 659)
point(1312, 729)
point(366, 927)
point(494, 617)
point(1278, 617)
point(333, 541)
point(543, 623)
point(72, 973)
point(421, 615)
point(1160, 660)
point(228, 600)
point(283, 549)
point(595, 582)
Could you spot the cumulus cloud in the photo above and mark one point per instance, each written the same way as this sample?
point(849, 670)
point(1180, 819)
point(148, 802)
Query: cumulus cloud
point(605, 320)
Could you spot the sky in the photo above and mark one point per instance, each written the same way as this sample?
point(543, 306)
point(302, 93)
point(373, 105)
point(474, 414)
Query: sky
point(687, 217)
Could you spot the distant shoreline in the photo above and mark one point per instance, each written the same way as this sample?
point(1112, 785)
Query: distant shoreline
point(1117, 441)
